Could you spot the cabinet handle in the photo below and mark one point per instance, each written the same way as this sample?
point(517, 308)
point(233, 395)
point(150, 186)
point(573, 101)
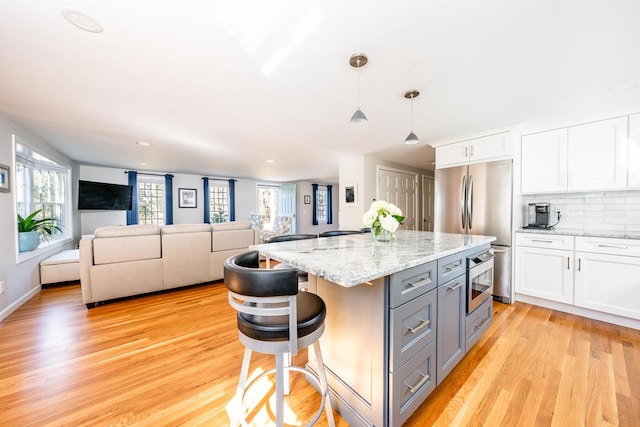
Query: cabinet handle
point(453, 267)
point(420, 282)
point(423, 380)
point(456, 286)
point(466, 151)
point(542, 241)
point(613, 246)
point(471, 151)
point(479, 325)
point(423, 324)
point(579, 264)
point(499, 251)
point(568, 266)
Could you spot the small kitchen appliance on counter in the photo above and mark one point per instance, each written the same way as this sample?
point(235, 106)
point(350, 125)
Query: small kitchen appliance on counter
point(540, 216)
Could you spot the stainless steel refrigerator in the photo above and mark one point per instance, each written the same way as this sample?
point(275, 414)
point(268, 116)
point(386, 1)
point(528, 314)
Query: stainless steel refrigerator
point(477, 199)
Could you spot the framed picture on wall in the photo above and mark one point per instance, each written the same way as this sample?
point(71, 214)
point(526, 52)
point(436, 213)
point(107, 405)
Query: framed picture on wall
point(187, 198)
point(5, 186)
point(350, 194)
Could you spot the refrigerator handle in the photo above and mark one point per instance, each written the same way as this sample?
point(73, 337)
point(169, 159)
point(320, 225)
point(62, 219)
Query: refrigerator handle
point(470, 202)
point(463, 207)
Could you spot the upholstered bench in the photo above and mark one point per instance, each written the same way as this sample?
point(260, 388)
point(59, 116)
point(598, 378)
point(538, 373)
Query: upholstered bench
point(61, 267)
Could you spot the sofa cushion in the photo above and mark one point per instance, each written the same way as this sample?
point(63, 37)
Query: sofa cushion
point(186, 228)
point(227, 226)
point(109, 250)
point(127, 230)
point(235, 239)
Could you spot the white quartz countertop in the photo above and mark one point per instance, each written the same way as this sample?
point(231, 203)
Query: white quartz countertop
point(590, 233)
point(354, 259)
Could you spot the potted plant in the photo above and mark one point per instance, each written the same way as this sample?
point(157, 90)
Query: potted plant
point(31, 228)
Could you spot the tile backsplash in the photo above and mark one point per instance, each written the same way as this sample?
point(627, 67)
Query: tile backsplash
point(606, 211)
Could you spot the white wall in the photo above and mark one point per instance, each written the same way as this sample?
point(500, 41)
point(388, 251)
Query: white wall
point(305, 212)
point(351, 170)
point(22, 280)
point(363, 171)
point(246, 198)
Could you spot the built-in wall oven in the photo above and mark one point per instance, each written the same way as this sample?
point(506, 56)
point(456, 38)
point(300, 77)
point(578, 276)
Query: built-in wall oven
point(479, 278)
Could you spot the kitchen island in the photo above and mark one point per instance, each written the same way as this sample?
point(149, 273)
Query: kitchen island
point(392, 307)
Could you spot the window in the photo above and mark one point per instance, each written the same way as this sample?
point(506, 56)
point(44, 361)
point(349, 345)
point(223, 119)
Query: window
point(42, 184)
point(321, 205)
point(268, 204)
point(150, 200)
point(219, 202)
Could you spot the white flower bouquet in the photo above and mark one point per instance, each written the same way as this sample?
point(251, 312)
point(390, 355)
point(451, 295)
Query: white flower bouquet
point(383, 218)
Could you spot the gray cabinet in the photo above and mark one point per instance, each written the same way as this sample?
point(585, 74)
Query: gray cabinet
point(412, 339)
point(451, 325)
point(478, 322)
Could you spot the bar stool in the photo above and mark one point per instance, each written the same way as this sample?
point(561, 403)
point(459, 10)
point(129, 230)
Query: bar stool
point(303, 276)
point(274, 318)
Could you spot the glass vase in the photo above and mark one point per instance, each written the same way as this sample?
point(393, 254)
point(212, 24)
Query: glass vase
point(382, 235)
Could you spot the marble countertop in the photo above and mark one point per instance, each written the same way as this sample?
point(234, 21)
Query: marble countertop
point(354, 259)
point(590, 233)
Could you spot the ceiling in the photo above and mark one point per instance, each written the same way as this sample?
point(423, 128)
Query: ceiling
point(220, 87)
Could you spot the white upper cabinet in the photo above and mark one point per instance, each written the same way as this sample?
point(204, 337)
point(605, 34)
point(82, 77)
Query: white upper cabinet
point(634, 151)
point(544, 162)
point(586, 157)
point(597, 154)
point(486, 148)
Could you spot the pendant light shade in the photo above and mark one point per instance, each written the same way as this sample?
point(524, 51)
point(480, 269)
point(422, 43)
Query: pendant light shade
point(358, 117)
point(357, 61)
point(412, 138)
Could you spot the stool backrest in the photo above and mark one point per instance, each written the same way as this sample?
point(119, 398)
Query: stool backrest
point(338, 233)
point(289, 237)
point(243, 276)
point(263, 292)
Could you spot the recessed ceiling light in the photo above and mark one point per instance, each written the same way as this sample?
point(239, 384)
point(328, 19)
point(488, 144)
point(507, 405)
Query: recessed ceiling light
point(144, 144)
point(144, 164)
point(82, 21)
point(270, 161)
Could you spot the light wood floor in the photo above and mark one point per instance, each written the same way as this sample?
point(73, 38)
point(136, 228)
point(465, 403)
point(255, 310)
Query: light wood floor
point(173, 359)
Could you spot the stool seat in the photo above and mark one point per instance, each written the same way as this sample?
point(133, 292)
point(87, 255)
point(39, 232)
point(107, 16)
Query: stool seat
point(310, 314)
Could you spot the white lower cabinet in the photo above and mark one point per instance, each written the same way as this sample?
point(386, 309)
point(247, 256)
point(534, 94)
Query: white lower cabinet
point(600, 274)
point(606, 282)
point(542, 270)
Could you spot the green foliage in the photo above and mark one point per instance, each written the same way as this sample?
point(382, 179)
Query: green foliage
point(42, 226)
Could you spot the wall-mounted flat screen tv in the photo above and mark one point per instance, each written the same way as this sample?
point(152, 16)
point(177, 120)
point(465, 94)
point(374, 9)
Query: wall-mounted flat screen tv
point(104, 196)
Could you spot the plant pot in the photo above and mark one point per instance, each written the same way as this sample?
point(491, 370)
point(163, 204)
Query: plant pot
point(28, 241)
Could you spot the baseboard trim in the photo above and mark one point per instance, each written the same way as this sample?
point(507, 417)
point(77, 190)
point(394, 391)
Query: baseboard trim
point(579, 311)
point(16, 304)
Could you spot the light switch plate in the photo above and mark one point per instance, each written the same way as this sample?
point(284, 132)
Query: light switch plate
point(2, 287)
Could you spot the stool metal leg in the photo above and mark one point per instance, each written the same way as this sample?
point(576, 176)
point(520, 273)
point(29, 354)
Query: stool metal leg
point(323, 384)
point(242, 383)
point(280, 390)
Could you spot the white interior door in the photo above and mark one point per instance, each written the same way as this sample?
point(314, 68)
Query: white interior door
point(400, 188)
point(287, 203)
point(427, 202)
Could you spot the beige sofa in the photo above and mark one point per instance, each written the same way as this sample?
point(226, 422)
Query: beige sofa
point(122, 261)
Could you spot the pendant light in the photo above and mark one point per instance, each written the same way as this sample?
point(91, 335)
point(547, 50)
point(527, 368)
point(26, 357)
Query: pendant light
point(412, 138)
point(357, 61)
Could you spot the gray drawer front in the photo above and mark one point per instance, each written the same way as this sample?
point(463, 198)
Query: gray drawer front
point(413, 325)
point(419, 375)
point(478, 322)
point(412, 282)
point(451, 267)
